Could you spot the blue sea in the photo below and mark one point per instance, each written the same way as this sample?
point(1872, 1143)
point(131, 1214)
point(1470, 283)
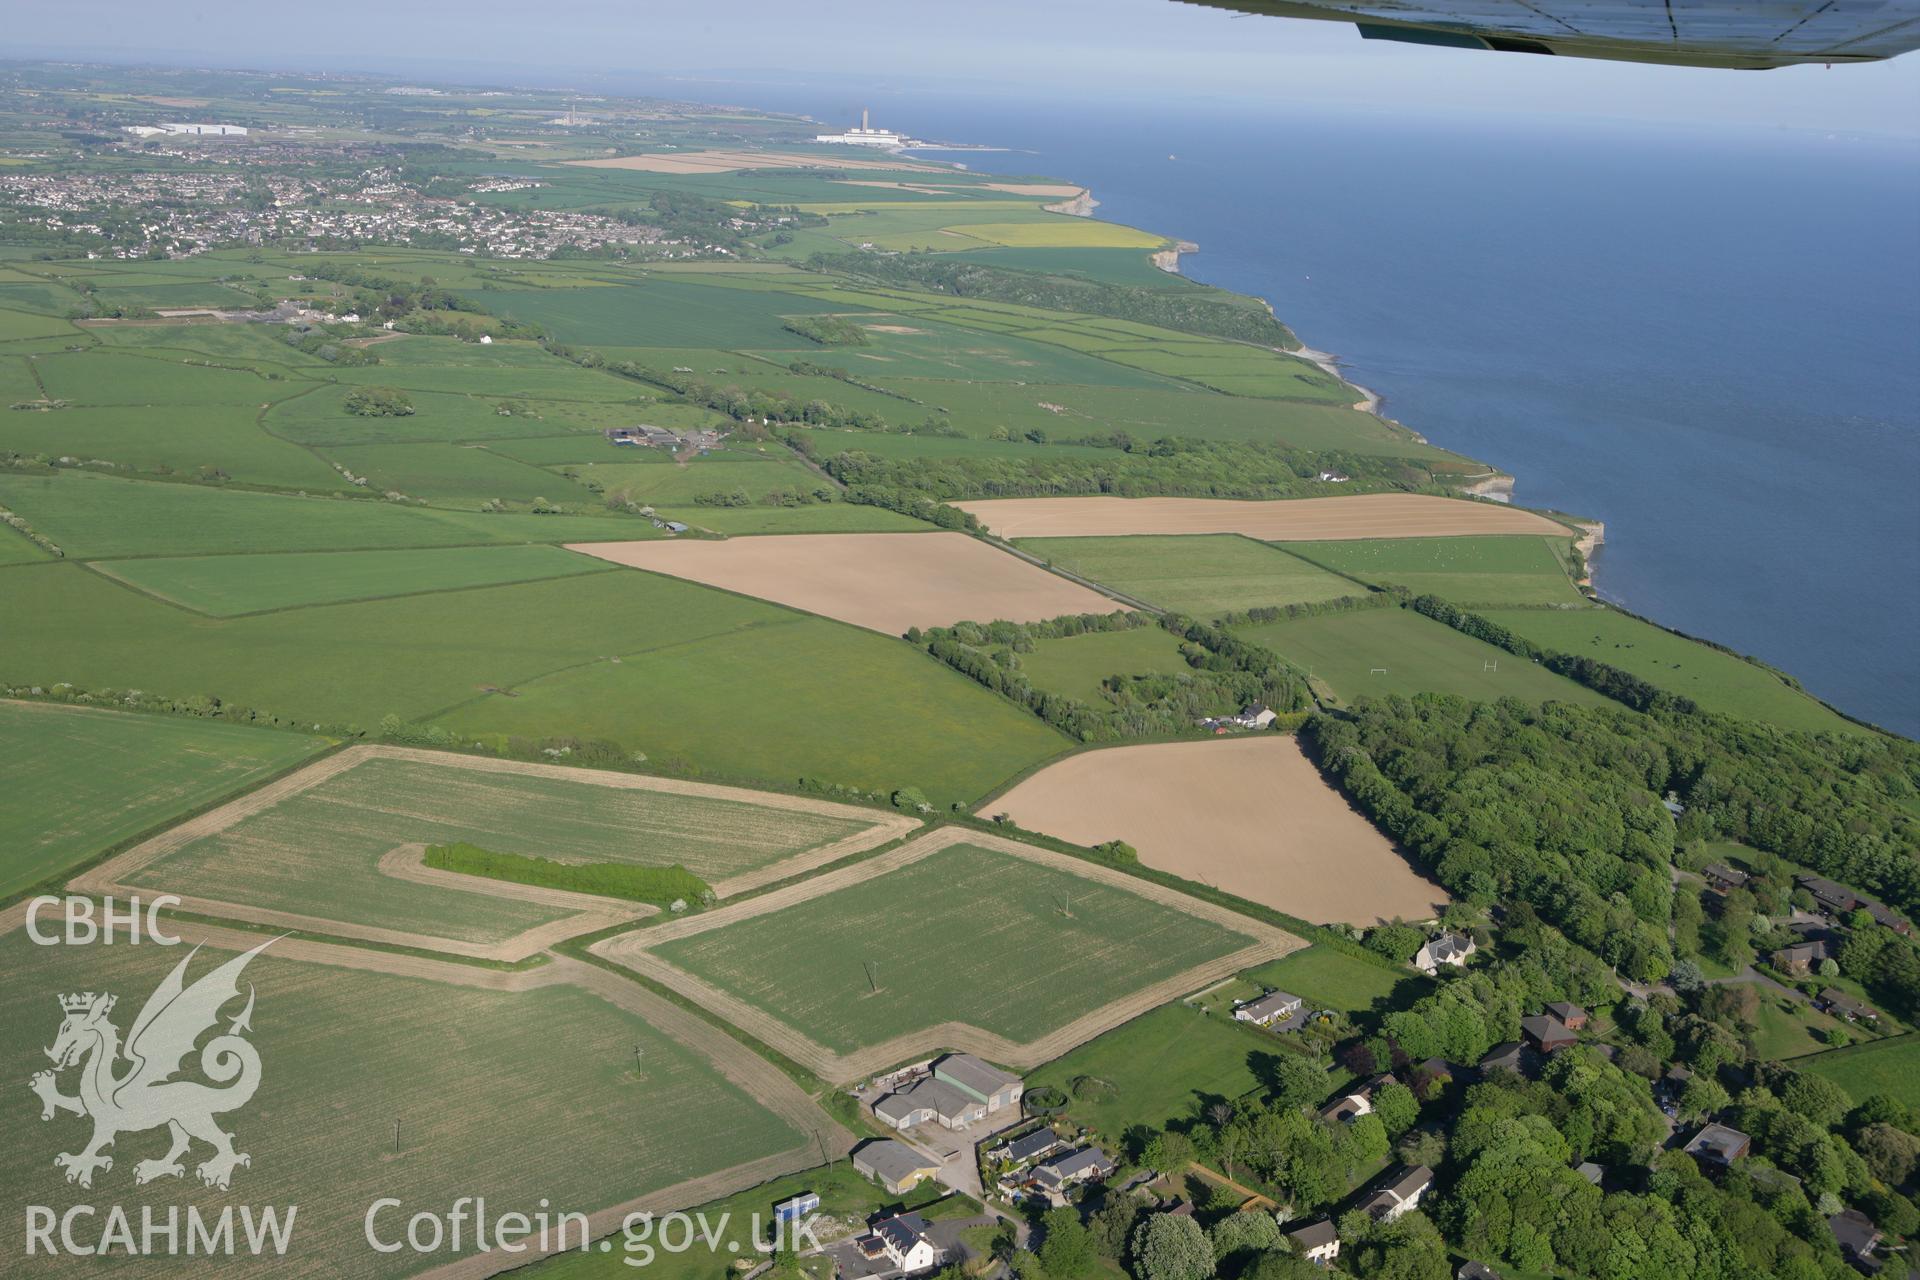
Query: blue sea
point(1709, 338)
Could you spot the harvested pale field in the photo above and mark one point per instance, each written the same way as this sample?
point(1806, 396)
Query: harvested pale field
point(730, 161)
point(1249, 815)
point(1365, 515)
point(887, 582)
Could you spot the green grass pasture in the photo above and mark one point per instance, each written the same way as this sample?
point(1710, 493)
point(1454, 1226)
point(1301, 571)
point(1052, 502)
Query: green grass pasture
point(1074, 666)
point(1468, 571)
point(950, 920)
point(1717, 680)
point(1376, 652)
point(227, 586)
point(1204, 575)
point(81, 780)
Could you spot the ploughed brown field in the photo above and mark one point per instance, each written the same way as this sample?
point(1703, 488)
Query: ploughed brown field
point(1249, 815)
point(884, 581)
point(1364, 515)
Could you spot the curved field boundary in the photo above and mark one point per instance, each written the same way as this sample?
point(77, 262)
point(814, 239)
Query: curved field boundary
point(753, 1075)
point(1364, 515)
point(590, 913)
point(634, 951)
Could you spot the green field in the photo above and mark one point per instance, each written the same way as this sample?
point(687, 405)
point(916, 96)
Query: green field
point(80, 781)
point(1074, 666)
point(662, 312)
point(318, 852)
point(227, 586)
point(345, 1056)
point(1891, 1067)
point(793, 696)
point(1376, 652)
point(1466, 571)
point(1204, 575)
point(1788, 1027)
point(937, 932)
point(1717, 680)
point(181, 439)
point(1170, 1064)
point(1331, 979)
point(95, 516)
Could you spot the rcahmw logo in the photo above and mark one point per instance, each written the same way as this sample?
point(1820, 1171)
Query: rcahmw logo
point(131, 1087)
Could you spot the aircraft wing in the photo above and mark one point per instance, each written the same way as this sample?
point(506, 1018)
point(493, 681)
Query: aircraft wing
point(1749, 34)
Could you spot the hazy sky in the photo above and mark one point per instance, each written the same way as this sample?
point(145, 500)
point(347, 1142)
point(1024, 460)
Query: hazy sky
point(1145, 51)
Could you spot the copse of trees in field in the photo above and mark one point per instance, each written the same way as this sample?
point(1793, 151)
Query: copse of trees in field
point(1204, 311)
point(1225, 673)
point(662, 886)
point(828, 331)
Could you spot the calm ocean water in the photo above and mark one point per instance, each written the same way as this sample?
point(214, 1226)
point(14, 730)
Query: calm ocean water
point(1709, 339)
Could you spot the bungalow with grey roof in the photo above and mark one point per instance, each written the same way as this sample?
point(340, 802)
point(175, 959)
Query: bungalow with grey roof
point(1841, 1005)
point(1857, 1237)
point(1264, 1011)
point(1723, 879)
point(1041, 1142)
point(1083, 1164)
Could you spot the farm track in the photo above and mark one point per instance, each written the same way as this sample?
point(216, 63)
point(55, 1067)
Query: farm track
point(634, 951)
point(590, 913)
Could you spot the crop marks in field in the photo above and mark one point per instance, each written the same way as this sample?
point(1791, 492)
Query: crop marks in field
point(956, 940)
point(334, 848)
point(385, 1075)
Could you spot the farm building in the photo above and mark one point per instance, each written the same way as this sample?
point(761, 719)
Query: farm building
point(1317, 1242)
point(931, 1099)
point(1266, 1010)
point(1448, 948)
point(894, 1165)
point(1399, 1195)
point(981, 1081)
point(1718, 1143)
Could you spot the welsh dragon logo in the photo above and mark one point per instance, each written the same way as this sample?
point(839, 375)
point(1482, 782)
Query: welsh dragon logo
point(145, 1094)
